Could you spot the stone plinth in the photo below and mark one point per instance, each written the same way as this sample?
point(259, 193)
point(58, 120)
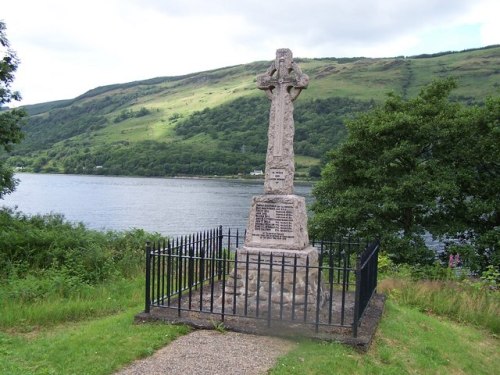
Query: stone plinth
point(277, 222)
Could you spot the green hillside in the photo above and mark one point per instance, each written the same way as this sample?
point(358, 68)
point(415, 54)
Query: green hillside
point(215, 122)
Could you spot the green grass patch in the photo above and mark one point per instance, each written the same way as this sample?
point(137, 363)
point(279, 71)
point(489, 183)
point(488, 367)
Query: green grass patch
point(99, 346)
point(88, 302)
point(306, 161)
point(462, 301)
point(407, 342)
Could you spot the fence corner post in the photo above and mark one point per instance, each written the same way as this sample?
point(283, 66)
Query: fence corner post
point(147, 302)
point(357, 298)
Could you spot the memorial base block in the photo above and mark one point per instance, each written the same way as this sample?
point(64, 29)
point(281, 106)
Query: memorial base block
point(277, 222)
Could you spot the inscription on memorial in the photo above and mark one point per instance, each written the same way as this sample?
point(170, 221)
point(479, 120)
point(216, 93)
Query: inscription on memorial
point(273, 221)
point(277, 177)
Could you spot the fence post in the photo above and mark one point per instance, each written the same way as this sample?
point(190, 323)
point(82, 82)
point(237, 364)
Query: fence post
point(375, 266)
point(318, 291)
point(148, 278)
point(219, 250)
point(202, 275)
point(170, 274)
point(190, 275)
point(357, 298)
point(270, 290)
point(343, 260)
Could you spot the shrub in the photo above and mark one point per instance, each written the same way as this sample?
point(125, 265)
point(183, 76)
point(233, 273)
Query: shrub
point(55, 251)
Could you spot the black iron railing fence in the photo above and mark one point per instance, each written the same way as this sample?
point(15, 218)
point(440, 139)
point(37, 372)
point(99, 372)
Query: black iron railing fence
point(202, 273)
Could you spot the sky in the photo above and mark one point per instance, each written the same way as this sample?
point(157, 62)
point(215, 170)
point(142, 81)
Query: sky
point(69, 47)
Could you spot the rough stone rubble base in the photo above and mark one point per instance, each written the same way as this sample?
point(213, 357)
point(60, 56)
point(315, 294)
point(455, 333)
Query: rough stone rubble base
point(253, 283)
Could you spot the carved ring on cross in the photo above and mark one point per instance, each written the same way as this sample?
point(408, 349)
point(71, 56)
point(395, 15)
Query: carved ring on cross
point(288, 74)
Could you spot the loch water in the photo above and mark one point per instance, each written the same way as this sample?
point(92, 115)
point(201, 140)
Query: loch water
point(170, 206)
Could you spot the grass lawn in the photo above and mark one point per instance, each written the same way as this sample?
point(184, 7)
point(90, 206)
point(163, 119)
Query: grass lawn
point(52, 321)
point(407, 342)
point(99, 346)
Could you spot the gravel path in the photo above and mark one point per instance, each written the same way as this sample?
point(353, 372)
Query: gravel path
point(204, 352)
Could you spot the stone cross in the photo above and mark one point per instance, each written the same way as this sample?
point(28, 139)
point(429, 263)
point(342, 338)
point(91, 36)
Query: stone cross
point(276, 234)
point(282, 84)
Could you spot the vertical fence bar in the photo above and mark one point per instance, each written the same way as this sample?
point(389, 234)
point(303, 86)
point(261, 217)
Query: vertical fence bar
point(191, 275)
point(365, 279)
point(223, 284)
point(206, 244)
point(282, 284)
point(196, 261)
point(181, 254)
point(208, 254)
point(158, 274)
point(344, 288)
point(376, 263)
point(348, 265)
point(213, 242)
point(306, 289)
point(246, 283)
point(235, 278)
point(147, 302)
point(203, 246)
point(202, 275)
point(331, 280)
point(318, 292)
point(212, 273)
point(179, 282)
point(219, 249)
point(294, 285)
point(153, 273)
point(163, 273)
point(258, 286)
point(339, 265)
point(270, 290)
point(357, 298)
point(170, 276)
point(176, 253)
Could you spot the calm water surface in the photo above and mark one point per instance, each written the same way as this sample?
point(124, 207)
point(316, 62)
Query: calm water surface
point(169, 206)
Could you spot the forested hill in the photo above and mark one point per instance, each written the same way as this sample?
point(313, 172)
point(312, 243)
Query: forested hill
point(215, 122)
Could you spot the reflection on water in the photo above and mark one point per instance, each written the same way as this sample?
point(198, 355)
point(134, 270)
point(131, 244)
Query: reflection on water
point(169, 206)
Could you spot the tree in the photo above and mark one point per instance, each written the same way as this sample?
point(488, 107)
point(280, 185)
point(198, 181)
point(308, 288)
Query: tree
point(10, 120)
point(475, 211)
point(411, 167)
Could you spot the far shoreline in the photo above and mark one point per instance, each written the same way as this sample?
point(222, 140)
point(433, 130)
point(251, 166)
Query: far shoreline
point(301, 181)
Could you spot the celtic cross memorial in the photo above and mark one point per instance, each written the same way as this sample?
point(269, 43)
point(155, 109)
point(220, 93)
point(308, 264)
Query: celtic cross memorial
point(278, 219)
point(282, 84)
point(277, 223)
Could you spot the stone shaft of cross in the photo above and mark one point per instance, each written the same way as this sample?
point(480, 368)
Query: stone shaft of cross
point(282, 84)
